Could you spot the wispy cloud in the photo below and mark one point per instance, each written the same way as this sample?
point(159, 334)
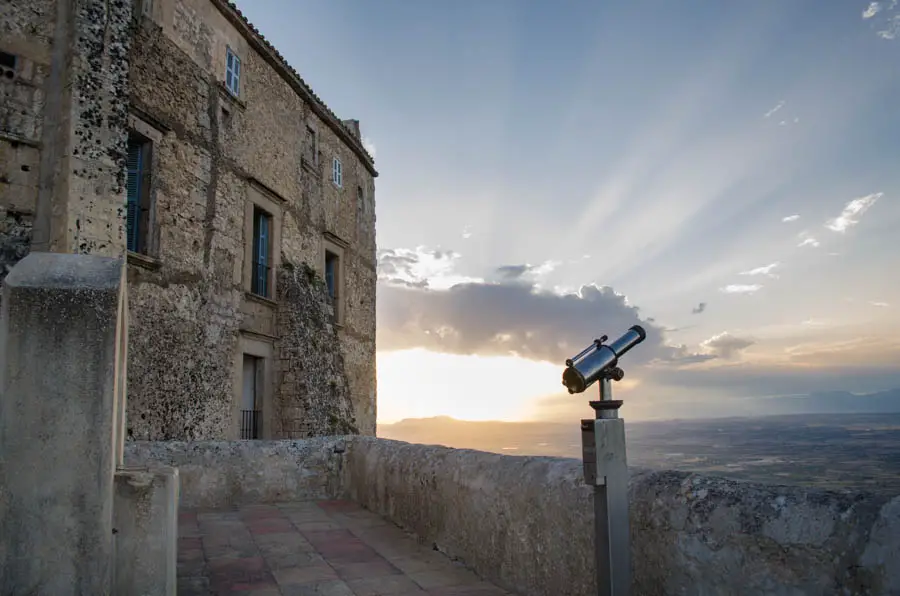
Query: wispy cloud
point(724, 345)
point(764, 270)
point(851, 212)
point(790, 218)
point(467, 233)
point(699, 308)
point(873, 9)
point(741, 288)
point(879, 304)
point(807, 240)
point(777, 107)
point(888, 21)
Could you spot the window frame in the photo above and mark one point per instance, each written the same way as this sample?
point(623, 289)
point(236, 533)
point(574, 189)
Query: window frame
point(148, 139)
point(339, 300)
point(337, 172)
point(232, 72)
point(313, 140)
point(259, 197)
point(261, 253)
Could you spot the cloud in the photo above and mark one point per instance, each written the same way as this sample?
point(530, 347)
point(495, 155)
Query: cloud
point(790, 218)
point(369, 146)
point(699, 308)
point(514, 317)
point(764, 270)
point(807, 240)
point(420, 267)
point(879, 304)
point(777, 107)
point(873, 9)
point(888, 23)
point(466, 233)
point(727, 346)
point(516, 272)
point(741, 288)
point(852, 210)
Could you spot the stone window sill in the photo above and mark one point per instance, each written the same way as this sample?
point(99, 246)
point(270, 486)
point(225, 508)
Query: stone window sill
point(143, 261)
point(227, 94)
point(310, 167)
point(260, 299)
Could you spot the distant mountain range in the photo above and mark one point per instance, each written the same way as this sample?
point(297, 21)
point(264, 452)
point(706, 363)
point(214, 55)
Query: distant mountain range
point(838, 402)
point(559, 439)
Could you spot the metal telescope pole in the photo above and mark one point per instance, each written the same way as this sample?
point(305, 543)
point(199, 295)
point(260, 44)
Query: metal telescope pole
point(606, 469)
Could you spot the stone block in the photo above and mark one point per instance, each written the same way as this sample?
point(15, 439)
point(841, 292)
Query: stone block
point(60, 337)
point(146, 531)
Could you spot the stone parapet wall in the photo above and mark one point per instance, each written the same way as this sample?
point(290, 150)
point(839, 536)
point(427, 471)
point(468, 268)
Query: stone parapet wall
point(526, 522)
point(217, 474)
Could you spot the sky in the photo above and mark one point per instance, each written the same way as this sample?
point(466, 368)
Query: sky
point(725, 174)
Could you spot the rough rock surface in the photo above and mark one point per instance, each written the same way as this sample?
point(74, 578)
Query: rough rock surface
point(314, 396)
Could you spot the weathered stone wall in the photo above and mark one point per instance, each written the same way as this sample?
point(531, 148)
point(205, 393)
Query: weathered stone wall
point(527, 522)
point(26, 32)
point(221, 474)
point(313, 397)
point(214, 155)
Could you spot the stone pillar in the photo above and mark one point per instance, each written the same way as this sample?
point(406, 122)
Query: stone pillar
point(146, 539)
point(60, 337)
point(81, 188)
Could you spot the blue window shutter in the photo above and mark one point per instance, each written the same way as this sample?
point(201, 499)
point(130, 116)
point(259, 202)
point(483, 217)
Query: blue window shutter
point(262, 254)
point(133, 190)
point(329, 275)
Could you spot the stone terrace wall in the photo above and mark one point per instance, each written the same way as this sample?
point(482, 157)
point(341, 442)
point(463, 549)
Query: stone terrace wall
point(525, 522)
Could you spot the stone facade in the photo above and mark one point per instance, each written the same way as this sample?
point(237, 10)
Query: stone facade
point(90, 82)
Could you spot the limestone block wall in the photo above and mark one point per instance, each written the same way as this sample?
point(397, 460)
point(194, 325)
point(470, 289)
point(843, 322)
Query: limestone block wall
point(214, 157)
point(526, 522)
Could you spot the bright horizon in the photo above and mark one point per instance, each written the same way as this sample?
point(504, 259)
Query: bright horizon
point(724, 175)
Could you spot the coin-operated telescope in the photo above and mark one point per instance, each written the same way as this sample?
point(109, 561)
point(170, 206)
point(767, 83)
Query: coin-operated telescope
point(603, 454)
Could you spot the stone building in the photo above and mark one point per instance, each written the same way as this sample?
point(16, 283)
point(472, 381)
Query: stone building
point(171, 129)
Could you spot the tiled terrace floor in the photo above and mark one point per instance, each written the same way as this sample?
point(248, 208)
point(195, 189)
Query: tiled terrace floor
point(330, 548)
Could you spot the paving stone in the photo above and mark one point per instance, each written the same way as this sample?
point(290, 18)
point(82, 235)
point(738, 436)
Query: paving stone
point(390, 585)
point(332, 548)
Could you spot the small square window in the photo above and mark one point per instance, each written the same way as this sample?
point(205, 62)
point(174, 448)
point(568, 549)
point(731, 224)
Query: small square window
point(232, 73)
point(337, 175)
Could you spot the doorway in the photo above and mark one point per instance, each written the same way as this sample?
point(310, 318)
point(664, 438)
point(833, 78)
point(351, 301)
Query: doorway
point(251, 398)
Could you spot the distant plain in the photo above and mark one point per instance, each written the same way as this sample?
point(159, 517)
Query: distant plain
point(834, 451)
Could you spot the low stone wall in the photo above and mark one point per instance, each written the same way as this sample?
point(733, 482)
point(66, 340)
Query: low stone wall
point(217, 474)
point(526, 522)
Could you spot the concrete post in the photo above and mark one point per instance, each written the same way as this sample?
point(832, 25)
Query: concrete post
point(146, 522)
point(60, 349)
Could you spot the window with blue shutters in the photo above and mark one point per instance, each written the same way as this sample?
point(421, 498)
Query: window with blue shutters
point(232, 73)
point(262, 224)
point(136, 189)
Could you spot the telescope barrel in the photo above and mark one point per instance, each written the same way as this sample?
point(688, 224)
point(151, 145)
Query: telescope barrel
point(629, 339)
point(583, 370)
